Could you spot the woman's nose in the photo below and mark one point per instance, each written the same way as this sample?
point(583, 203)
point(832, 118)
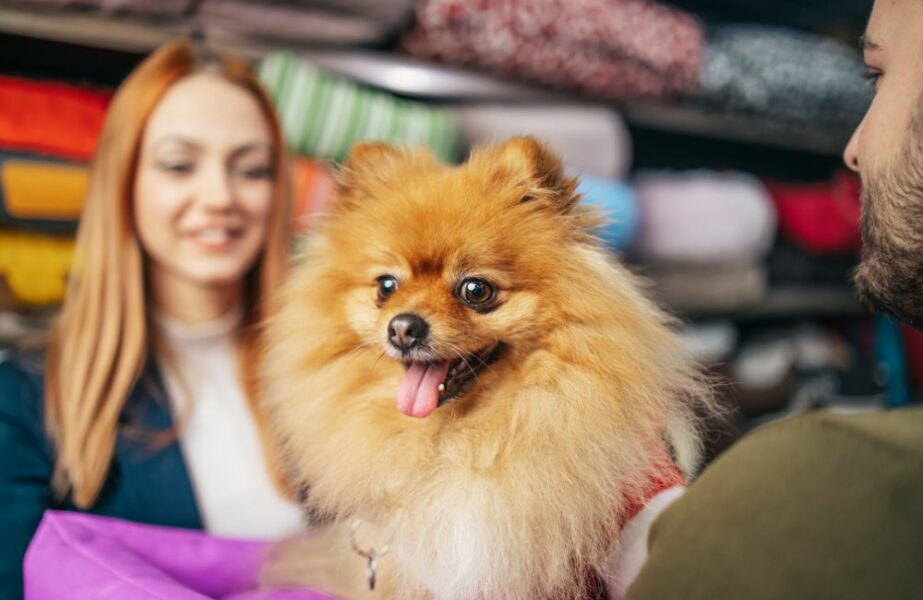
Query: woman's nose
point(215, 190)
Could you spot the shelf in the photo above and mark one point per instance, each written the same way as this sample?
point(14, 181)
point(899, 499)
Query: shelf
point(111, 33)
point(694, 120)
point(788, 303)
point(415, 78)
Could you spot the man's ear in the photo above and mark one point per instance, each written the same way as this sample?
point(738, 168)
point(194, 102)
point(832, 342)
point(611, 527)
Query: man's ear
point(539, 170)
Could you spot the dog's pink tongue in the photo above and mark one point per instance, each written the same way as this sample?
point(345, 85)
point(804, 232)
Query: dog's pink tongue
point(418, 393)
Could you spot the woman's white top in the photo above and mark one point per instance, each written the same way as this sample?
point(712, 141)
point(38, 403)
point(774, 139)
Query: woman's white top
point(218, 433)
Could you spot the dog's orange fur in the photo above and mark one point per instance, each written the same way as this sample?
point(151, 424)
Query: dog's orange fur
point(515, 489)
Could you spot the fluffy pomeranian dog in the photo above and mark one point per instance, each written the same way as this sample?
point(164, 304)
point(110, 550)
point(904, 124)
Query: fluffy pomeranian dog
point(466, 384)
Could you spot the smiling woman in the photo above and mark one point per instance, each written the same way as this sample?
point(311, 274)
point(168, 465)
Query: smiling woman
point(142, 405)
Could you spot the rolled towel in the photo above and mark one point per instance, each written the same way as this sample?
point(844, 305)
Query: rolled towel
point(704, 218)
point(821, 218)
point(290, 22)
point(589, 139)
point(50, 118)
point(313, 190)
point(785, 75)
point(40, 193)
point(161, 9)
point(323, 115)
point(35, 266)
point(616, 200)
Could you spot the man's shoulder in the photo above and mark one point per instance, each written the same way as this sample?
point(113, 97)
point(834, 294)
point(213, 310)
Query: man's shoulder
point(898, 432)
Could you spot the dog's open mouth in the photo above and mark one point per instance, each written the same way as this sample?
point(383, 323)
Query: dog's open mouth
point(427, 385)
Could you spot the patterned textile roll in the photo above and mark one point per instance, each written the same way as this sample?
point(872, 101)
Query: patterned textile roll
point(50, 118)
point(40, 193)
point(323, 115)
point(605, 48)
point(35, 265)
point(785, 75)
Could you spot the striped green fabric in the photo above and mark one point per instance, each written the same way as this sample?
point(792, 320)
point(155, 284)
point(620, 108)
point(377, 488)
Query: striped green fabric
point(323, 115)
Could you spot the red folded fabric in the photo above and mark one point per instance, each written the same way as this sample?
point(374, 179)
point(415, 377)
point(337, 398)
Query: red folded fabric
point(50, 118)
point(821, 218)
point(609, 48)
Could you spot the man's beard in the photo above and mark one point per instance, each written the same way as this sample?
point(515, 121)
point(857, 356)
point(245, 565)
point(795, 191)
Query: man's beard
point(890, 276)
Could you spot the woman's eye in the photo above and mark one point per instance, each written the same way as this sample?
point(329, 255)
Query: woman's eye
point(475, 292)
point(387, 285)
point(258, 172)
point(177, 168)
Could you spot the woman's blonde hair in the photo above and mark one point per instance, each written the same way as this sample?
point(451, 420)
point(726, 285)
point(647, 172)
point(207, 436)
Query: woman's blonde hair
point(100, 342)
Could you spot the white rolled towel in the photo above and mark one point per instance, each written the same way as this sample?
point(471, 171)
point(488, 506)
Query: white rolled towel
point(704, 218)
point(590, 139)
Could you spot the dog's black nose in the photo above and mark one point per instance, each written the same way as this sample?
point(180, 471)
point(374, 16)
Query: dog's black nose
point(406, 331)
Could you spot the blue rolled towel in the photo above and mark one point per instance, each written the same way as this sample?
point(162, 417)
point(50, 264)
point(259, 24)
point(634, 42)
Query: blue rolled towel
point(618, 203)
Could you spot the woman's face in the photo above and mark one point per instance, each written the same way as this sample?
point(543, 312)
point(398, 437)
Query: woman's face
point(204, 186)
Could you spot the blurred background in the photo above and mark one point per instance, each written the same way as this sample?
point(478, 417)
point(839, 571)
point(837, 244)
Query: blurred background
point(710, 133)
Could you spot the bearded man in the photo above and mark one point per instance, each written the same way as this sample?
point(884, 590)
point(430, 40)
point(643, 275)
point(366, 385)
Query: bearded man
point(827, 506)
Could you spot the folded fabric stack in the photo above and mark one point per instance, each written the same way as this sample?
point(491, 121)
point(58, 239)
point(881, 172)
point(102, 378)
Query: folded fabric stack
point(703, 238)
point(591, 140)
point(603, 48)
point(50, 118)
point(313, 192)
point(784, 75)
point(41, 194)
point(819, 231)
point(618, 205)
point(162, 9)
point(47, 133)
point(323, 115)
point(353, 22)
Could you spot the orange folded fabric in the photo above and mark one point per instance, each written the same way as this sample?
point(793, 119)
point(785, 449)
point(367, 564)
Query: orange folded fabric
point(37, 189)
point(313, 189)
point(51, 118)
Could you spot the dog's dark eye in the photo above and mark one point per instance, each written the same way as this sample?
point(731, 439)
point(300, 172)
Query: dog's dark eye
point(387, 285)
point(475, 292)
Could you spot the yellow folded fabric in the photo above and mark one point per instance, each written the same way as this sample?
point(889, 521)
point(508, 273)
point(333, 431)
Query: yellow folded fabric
point(35, 265)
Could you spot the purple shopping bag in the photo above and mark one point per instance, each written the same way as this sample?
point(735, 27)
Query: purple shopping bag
point(76, 555)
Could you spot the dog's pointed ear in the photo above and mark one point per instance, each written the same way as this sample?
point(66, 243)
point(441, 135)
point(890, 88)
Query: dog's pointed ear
point(366, 161)
point(540, 172)
point(371, 166)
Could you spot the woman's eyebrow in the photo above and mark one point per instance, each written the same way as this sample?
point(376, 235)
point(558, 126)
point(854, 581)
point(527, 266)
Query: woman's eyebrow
point(254, 146)
point(175, 139)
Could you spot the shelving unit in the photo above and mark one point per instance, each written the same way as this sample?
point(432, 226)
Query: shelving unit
point(409, 77)
point(792, 303)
